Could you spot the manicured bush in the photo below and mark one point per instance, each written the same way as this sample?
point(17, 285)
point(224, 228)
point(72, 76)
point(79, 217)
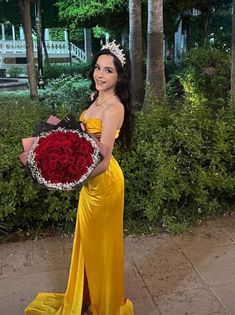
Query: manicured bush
point(181, 168)
point(68, 92)
point(22, 203)
point(16, 71)
point(204, 76)
point(54, 71)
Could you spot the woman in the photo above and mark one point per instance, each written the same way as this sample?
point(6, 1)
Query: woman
point(96, 280)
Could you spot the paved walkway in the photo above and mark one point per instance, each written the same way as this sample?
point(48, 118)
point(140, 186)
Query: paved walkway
point(191, 274)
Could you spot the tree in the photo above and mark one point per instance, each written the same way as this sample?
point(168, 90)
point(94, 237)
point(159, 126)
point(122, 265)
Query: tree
point(38, 24)
point(198, 27)
point(136, 52)
point(109, 14)
point(50, 19)
point(26, 16)
point(155, 77)
point(92, 12)
point(220, 29)
point(233, 55)
point(9, 11)
point(207, 8)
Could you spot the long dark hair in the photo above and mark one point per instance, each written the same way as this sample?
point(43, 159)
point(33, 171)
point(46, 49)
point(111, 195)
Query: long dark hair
point(122, 90)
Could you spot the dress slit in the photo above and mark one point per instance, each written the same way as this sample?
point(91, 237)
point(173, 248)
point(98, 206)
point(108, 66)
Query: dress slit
point(86, 291)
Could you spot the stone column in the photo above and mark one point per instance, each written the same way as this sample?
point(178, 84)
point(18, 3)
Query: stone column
point(178, 42)
point(47, 35)
point(21, 33)
point(3, 32)
point(106, 37)
point(13, 32)
point(65, 36)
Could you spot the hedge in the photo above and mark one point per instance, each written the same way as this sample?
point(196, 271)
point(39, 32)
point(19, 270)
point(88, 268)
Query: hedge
point(179, 170)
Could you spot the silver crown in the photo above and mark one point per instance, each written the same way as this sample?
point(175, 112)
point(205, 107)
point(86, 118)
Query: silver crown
point(114, 49)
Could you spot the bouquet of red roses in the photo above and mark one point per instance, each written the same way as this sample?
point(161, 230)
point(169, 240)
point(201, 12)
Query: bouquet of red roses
point(60, 155)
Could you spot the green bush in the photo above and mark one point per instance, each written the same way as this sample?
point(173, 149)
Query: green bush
point(181, 167)
point(15, 71)
point(205, 76)
point(22, 203)
point(68, 92)
point(55, 71)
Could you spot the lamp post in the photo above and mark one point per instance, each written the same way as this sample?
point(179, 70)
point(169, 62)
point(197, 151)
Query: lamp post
point(38, 23)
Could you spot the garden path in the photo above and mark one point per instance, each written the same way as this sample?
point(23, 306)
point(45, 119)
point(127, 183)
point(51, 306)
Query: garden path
point(191, 274)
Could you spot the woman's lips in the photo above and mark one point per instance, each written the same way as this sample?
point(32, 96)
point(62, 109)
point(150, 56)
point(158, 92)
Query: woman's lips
point(100, 81)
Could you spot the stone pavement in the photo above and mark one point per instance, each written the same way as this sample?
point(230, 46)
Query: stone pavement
point(191, 274)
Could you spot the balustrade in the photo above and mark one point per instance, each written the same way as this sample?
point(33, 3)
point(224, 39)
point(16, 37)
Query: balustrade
point(53, 48)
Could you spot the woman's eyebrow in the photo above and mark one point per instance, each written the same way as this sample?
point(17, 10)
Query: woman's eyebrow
point(110, 68)
point(105, 67)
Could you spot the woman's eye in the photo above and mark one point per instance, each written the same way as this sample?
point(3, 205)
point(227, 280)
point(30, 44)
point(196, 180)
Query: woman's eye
point(109, 71)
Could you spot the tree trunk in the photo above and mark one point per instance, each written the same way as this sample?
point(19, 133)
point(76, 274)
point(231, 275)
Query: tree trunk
point(38, 19)
point(88, 44)
point(25, 12)
point(125, 38)
point(155, 78)
point(205, 21)
point(69, 43)
point(233, 57)
point(136, 53)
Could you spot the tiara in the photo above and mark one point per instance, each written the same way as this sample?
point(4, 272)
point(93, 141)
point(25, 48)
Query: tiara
point(114, 49)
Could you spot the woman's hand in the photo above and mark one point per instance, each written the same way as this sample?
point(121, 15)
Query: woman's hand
point(103, 165)
point(82, 126)
point(103, 149)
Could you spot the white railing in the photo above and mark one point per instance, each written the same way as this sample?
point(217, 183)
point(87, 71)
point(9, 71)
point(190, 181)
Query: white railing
point(12, 46)
point(53, 48)
point(79, 53)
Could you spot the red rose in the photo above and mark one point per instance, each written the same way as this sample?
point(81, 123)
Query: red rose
point(52, 164)
point(62, 157)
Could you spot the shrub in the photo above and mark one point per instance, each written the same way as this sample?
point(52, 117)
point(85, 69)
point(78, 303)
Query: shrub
point(55, 71)
point(207, 76)
point(175, 89)
point(22, 202)
point(15, 71)
point(171, 68)
point(181, 167)
point(68, 92)
point(64, 94)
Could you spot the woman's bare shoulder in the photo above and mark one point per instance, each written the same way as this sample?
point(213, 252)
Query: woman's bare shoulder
point(115, 108)
point(114, 114)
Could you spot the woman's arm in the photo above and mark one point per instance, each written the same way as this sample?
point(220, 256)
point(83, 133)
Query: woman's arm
point(110, 122)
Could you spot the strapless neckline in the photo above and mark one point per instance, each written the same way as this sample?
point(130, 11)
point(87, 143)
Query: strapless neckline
point(85, 120)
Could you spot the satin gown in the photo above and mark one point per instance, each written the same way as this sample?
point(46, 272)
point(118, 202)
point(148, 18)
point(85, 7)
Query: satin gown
point(97, 256)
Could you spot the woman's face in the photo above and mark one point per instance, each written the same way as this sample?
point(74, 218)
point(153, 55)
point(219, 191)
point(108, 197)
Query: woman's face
point(105, 74)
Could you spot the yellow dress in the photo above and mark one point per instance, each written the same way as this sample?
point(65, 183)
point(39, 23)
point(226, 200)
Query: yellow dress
point(97, 249)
